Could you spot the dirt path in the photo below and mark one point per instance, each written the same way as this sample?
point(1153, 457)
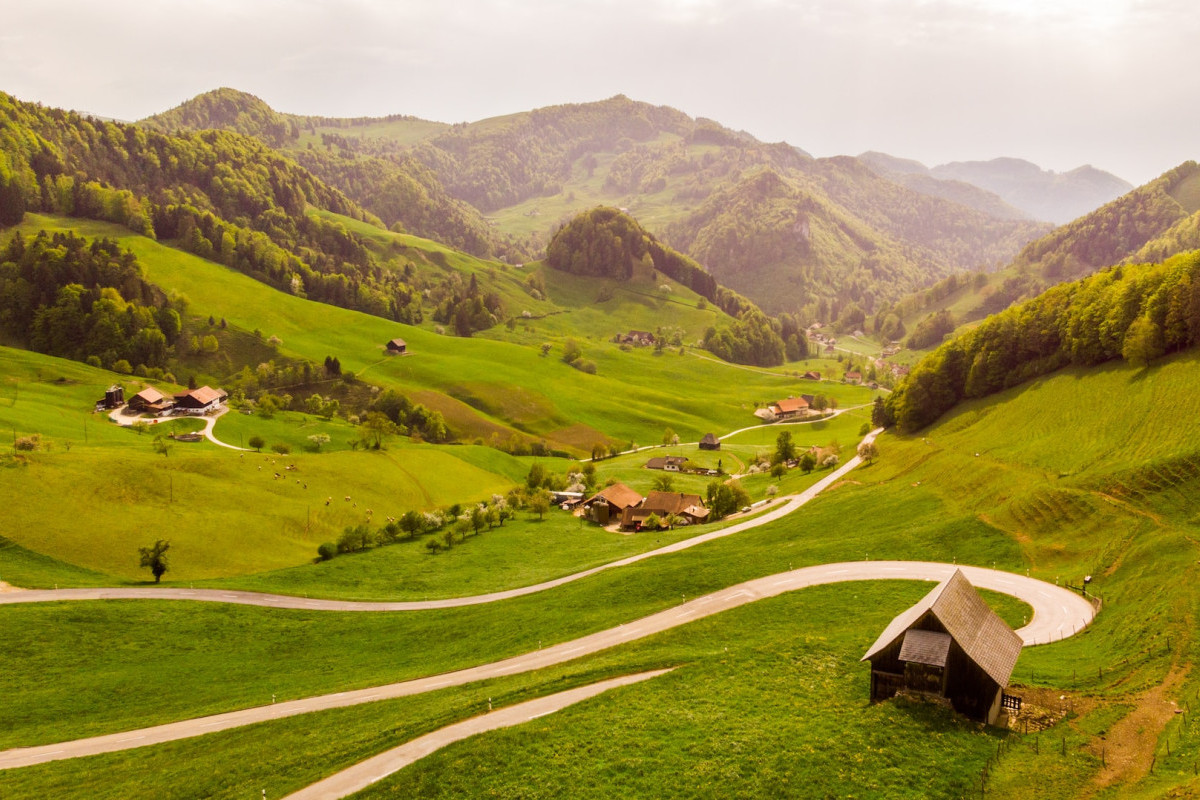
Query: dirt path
point(361, 775)
point(7, 588)
point(1129, 745)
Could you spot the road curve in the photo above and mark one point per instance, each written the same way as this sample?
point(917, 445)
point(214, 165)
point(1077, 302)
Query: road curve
point(790, 505)
point(360, 776)
point(1057, 614)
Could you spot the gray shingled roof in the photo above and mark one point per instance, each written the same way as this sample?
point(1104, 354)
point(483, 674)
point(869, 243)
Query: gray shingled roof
point(979, 631)
point(925, 647)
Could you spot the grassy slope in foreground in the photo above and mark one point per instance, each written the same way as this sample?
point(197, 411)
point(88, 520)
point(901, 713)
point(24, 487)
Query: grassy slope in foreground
point(929, 497)
point(224, 512)
point(740, 703)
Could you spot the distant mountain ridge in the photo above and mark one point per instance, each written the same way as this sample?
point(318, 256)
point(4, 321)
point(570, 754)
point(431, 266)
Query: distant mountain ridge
point(791, 232)
point(1039, 193)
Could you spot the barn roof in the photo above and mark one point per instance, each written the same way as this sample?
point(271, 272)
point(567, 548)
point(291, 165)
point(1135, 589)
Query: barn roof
point(398, 342)
point(204, 395)
point(710, 438)
point(618, 495)
point(150, 395)
point(671, 502)
point(792, 404)
point(979, 631)
point(925, 647)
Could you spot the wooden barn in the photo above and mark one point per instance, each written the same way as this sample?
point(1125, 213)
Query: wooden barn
point(611, 502)
point(199, 401)
point(949, 645)
point(710, 442)
point(397, 347)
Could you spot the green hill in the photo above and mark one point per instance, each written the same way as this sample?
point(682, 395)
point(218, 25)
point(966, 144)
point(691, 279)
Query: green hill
point(529, 172)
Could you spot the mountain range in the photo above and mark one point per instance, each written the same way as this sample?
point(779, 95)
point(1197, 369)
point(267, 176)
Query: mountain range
point(792, 232)
point(1037, 193)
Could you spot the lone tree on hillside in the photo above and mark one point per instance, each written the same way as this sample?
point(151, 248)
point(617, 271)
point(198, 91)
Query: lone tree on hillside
point(785, 450)
point(868, 452)
point(155, 558)
point(257, 442)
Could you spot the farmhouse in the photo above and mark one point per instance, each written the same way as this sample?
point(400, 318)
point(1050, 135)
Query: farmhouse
point(669, 463)
point(689, 507)
point(854, 377)
point(611, 502)
point(199, 401)
point(397, 347)
point(949, 645)
point(638, 338)
point(812, 376)
point(149, 401)
point(791, 407)
point(710, 442)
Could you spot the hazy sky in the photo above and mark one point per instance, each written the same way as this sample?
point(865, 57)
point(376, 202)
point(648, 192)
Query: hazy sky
point(1113, 83)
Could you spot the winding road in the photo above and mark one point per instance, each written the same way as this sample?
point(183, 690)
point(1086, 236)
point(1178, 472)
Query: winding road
point(781, 510)
point(1057, 614)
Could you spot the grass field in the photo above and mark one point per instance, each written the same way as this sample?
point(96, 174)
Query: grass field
point(1092, 499)
point(748, 679)
point(619, 403)
point(1080, 473)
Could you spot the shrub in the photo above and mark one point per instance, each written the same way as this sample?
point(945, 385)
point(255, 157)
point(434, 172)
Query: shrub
point(281, 448)
point(28, 443)
point(327, 551)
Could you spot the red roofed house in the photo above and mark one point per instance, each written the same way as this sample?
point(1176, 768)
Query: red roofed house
point(791, 407)
point(854, 377)
point(199, 401)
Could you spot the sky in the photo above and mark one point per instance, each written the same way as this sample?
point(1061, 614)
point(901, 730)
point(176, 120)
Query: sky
point(1112, 83)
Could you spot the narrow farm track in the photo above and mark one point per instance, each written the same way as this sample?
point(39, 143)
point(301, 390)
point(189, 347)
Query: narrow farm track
point(1057, 614)
point(289, 601)
point(360, 776)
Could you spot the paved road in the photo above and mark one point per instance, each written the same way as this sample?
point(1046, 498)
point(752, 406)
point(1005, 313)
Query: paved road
point(1057, 614)
point(363, 774)
point(781, 510)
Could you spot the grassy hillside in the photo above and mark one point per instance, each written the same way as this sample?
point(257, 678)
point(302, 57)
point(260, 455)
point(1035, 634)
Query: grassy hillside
point(1079, 495)
point(633, 395)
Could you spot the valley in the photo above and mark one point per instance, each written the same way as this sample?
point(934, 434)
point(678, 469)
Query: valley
point(449, 370)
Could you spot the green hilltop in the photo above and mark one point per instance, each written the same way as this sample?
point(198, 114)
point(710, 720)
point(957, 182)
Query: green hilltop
point(793, 233)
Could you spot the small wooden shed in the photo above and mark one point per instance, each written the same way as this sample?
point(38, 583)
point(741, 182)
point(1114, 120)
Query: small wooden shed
point(950, 645)
point(710, 442)
point(397, 347)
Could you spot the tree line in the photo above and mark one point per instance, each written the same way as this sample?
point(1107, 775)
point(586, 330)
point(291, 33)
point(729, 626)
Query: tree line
point(67, 296)
point(1134, 312)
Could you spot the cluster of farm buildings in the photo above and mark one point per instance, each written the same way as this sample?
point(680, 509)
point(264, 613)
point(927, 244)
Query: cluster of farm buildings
point(620, 503)
point(193, 402)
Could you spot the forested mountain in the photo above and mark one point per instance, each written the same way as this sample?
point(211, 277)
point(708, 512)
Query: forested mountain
point(605, 242)
point(1041, 194)
point(378, 174)
point(697, 184)
point(916, 176)
point(1135, 312)
point(221, 195)
point(1159, 217)
point(833, 233)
